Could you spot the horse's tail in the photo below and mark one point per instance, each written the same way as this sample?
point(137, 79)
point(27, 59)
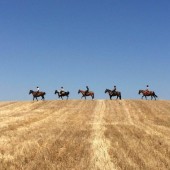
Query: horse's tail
point(68, 93)
point(93, 96)
point(44, 93)
point(154, 94)
point(120, 97)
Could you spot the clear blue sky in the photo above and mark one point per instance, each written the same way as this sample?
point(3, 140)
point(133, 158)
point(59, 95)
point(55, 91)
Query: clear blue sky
point(74, 43)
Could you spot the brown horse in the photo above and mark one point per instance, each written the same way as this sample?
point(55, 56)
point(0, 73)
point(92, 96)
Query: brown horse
point(84, 94)
point(148, 93)
point(111, 94)
point(37, 94)
point(62, 94)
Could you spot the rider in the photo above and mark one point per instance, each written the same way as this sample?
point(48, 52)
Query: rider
point(38, 90)
point(87, 90)
point(62, 90)
point(147, 88)
point(114, 90)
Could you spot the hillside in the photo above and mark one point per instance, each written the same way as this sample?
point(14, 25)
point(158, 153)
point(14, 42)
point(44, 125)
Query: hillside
point(88, 135)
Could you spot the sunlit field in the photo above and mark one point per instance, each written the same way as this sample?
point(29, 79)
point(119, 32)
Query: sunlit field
point(88, 135)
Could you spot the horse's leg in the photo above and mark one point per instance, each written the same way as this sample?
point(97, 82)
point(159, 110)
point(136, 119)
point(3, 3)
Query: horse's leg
point(36, 98)
point(110, 97)
point(62, 97)
point(154, 97)
point(92, 96)
point(142, 97)
point(145, 97)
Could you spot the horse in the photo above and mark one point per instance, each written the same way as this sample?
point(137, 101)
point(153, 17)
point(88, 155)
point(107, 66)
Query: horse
point(37, 94)
point(62, 94)
point(148, 93)
point(115, 93)
point(84, 94)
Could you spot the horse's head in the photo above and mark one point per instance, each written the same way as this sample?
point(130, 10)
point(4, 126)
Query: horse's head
point(140, 91)
point(31, 91)
point(79, 91)
point(56, 91)
point(106, 90)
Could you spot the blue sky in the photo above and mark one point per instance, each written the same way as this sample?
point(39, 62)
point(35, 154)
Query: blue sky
point(74, 43)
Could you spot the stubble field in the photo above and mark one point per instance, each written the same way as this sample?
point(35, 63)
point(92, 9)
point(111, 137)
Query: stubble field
point(85, 135)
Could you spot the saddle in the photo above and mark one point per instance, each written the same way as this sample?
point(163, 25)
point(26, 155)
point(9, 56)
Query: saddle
point(62, 92)
point(38, 93)
point(114, 92)
point(148, 92)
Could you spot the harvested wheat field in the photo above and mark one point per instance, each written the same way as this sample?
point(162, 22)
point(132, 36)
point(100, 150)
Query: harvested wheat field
point(85, 135)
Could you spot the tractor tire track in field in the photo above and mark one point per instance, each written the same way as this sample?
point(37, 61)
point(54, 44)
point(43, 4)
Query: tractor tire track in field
point(100, 145)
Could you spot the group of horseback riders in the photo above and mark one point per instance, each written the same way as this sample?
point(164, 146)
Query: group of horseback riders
point(61, 90)
point(61, 93)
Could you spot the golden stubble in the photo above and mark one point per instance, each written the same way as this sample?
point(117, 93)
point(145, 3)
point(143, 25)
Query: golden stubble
point(79, 134)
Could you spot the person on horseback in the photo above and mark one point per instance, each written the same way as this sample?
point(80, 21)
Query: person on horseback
point(114, 90)
point(147, 88)
point(87, 90)
point(62, 90)
point(38, 90)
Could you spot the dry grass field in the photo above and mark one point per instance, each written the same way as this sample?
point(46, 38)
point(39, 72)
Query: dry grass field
point(85, 135)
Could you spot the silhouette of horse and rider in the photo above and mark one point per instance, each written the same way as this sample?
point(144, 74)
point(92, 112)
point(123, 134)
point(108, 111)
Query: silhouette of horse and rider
point(147, 92)
point(86, 93)
point(37, 93)
point(113, 92)
point(61, 93)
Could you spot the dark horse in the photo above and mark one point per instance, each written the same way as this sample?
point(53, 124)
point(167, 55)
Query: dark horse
point(62, 94)
point(84, 94)
point(148, 93)
point(111, 94)
point(37, 94)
